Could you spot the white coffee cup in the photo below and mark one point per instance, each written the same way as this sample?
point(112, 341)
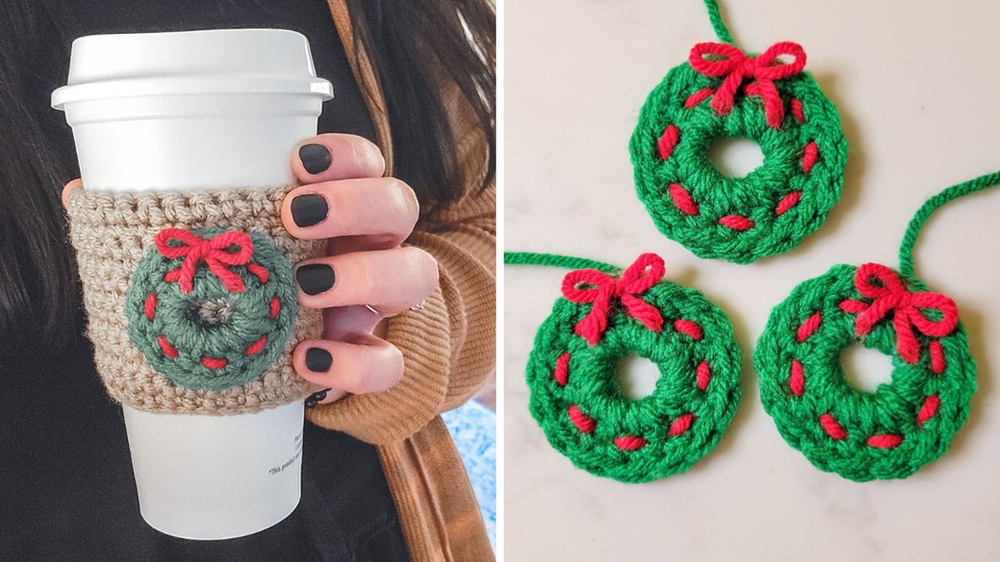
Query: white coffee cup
point(185, 111)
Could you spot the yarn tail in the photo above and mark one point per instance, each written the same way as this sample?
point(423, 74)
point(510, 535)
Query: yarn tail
point(556, 260)
point(718, 25)
point(934, 203)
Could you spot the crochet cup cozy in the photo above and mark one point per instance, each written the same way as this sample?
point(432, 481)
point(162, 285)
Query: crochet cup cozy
point(190, 298)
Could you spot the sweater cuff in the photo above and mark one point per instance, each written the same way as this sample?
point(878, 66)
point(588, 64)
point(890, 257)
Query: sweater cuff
point(424, 338)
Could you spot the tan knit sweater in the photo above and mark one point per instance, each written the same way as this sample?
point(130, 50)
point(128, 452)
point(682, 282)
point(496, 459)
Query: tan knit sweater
point(449, 348)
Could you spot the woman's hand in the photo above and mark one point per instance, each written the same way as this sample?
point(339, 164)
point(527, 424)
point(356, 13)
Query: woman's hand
point(366, 275)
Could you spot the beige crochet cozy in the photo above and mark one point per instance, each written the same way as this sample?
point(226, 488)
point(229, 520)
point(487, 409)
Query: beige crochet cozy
point(111, 233)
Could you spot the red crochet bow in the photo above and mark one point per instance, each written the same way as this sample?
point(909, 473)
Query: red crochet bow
point(603, 288)
point(219, 254)
point(891, 295)
point(732, 63)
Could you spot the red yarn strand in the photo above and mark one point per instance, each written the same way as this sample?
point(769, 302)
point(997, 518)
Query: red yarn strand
point(561, 373)
point(787, 202)
point(704, 375)
point(681, 424)
point(583, 422)
point(682, 199)
point(809, 327)
point(668, 141)
point(796, 378)
point(832, 427)
point(809, 156)
point(689, 328)
point(630, 443)
point(149, 307)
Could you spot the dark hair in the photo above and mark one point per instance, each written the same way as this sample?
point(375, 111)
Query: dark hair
point(409, 45)
point(407, 41)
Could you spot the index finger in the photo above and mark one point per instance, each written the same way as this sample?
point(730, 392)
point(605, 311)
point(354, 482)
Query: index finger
point(334, 156)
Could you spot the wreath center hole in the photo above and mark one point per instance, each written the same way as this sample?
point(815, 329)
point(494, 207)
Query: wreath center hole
point(866, 369)
point(636, 377)
point(211, 312)
point(735, 157)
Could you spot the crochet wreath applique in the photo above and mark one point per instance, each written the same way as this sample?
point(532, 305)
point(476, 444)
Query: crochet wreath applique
point(604, 317)
point(211, 309)
point(723, 92)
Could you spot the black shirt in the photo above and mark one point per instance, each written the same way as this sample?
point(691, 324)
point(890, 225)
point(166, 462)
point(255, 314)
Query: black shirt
point(67, 491)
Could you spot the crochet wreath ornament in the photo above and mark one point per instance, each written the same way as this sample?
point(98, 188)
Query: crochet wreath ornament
point(723, 92)
point(211, 309)
point(605, 316)
point(895, 430)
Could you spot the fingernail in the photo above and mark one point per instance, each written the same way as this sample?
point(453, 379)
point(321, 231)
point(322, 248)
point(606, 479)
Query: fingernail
point(315, 157)
point(314, 278)
point(318, 359)
point(315, 398)
point(309, 209)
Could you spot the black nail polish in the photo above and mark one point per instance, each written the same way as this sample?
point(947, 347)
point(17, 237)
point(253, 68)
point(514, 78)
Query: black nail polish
point(309, 209)
point(318, 359)
point(315, 398)
point(315, 157)
point(314, 278)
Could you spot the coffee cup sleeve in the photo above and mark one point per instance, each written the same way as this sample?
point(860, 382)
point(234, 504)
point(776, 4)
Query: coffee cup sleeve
point(191, 299)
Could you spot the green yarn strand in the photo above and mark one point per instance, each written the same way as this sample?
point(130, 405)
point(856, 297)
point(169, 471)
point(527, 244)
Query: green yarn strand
point(917, 222)
point(556, 260)
point(718, 25)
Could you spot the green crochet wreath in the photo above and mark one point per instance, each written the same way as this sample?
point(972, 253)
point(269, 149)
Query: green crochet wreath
point(571, 374)
point(211, 309)
point(722, 92)
point(863, 436)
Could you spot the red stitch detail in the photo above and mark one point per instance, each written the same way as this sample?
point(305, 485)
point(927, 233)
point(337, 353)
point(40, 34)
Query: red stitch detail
point(256, 346)
point(698, 97)
point(797, 111)
point(561, 374)
point(808, 327)
point(172, 276)
point(668, 141)
point(736, 222)
point(796, 379)
point(214, 363)
point(688, 328)
point(884, 440)
point(275, 307)
point(809, 156)
point(262, 274)
point(165, 346)
point(683, 199)
point(149, 307)
point(851, 306)
point(681, 424)
point(787, 202)
point(937, 357)
point(218, 253)
point(928, 410)
point(583, 422)
point(704, 373)
point(630, 443)
point(603, 289)
point(831, 427)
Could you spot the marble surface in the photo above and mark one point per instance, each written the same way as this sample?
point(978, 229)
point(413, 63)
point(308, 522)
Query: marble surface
point(917, 91)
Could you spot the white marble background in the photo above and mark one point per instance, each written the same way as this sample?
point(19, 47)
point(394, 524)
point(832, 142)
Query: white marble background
point(917, 86)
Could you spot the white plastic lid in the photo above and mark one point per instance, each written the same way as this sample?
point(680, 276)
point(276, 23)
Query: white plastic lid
point(226, 61)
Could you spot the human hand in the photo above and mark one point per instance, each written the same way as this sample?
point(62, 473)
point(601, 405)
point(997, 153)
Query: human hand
point(366, 276)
